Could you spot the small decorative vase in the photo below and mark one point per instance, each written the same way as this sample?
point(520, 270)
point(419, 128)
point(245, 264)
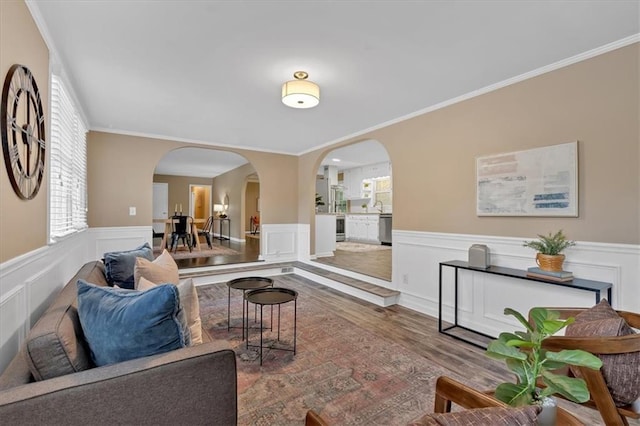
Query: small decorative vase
point(547, 416)
point(550, 262)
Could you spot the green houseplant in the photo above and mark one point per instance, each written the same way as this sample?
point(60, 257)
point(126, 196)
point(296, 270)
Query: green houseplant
point(524, 355)
point(550, 248)
point(319, 201)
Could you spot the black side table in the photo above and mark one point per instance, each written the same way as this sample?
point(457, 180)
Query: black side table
point(270, 297)
point(244, 284)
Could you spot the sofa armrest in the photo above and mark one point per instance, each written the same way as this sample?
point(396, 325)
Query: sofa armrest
point(194, 385)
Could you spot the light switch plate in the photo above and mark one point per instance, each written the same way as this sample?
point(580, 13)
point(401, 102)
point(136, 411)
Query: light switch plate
point(132, 211)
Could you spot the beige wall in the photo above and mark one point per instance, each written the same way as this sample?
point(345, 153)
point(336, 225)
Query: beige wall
point(23, 224)
point(433, 155)
point(251, 205)
point(233, 184)
point(120, 175)
point(179, 189)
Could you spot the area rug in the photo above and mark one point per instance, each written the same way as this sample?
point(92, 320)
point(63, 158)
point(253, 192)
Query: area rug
point(183, 252)
point(359, 247)
point(342, 371)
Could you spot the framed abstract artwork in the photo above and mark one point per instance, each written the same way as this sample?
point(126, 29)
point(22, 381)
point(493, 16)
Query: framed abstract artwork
point(536, 182)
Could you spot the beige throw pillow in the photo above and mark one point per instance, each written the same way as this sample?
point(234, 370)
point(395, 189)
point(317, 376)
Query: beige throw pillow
point(161, 271)
point(188, 301)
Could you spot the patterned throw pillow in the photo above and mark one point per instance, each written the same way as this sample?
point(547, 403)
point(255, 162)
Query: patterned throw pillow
point(120, 324)
point(119, 265)
point(491, 416)
point(621, 371)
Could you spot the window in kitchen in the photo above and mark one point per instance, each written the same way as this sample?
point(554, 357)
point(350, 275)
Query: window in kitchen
point(382, 192)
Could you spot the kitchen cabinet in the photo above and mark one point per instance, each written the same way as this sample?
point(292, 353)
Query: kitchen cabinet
point(362, 227)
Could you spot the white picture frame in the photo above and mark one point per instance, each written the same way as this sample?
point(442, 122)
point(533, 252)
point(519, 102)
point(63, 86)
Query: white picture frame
point(535, 182)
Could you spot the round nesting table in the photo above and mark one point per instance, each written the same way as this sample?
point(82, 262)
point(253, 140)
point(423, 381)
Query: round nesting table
point(245, 284)
point(270, 297)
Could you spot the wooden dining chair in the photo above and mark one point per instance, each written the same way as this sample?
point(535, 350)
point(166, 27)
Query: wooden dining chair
point(601, 397)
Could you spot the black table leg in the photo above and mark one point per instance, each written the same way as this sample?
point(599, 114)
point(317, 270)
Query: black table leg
point(260, 334)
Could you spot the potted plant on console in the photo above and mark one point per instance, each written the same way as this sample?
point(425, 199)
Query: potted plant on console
point(550, 248)
point(533, 365)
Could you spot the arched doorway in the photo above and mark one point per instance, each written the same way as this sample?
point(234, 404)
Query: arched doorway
point(354, 185)
point(206, 184)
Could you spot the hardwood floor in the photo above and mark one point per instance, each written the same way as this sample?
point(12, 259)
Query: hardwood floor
point(249, 251)
point(372, 263)
point(413, 330)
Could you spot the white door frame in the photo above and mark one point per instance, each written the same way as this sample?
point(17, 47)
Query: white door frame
point(191, 205)
point(162, 213)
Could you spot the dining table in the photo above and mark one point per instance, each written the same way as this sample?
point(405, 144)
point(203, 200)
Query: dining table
point(168, 228)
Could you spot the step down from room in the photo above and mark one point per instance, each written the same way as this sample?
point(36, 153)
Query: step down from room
point(362, 287)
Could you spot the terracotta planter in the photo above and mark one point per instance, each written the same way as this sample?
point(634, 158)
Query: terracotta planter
point(550, 262)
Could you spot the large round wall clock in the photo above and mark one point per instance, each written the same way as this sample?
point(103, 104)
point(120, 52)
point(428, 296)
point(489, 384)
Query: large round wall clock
point(23, 126)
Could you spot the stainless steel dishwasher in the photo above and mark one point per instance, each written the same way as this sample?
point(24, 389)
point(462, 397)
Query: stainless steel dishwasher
point(384, 229)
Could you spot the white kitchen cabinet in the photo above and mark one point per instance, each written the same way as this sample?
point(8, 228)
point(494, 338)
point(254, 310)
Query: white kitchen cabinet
point(362, 227)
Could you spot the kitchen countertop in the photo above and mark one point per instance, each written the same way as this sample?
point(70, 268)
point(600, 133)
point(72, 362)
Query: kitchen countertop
point(353, 214)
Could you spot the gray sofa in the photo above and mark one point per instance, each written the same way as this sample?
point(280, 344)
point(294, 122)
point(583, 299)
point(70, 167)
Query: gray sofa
point(194, 385)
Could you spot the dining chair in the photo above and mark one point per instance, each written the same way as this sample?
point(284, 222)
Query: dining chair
point(181, 229)
point(206, 231)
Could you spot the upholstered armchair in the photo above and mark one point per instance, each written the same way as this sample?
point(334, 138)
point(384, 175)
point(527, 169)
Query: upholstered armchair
point(617, 383)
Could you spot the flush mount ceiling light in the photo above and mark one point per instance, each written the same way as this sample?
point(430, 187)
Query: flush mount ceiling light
point(300, 93)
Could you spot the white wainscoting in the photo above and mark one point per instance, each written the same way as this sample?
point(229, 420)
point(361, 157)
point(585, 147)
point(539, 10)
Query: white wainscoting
point(29, 283)
point(284, 242)
point(483, 297)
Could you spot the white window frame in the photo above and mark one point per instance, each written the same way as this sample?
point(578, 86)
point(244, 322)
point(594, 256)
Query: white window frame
point(68, 164)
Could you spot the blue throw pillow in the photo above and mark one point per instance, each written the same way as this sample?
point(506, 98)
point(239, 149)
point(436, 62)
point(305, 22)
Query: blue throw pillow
point(119, 324)
point(119, 265)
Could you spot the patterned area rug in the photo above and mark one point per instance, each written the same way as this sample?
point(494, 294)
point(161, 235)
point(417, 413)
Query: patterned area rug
point(359, 247)
point(183, 252)
point(347, 374)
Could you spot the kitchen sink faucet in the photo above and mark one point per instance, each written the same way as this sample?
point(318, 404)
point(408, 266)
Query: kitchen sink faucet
point(381, 205)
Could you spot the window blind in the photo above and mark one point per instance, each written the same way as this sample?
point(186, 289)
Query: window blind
point(68, 180)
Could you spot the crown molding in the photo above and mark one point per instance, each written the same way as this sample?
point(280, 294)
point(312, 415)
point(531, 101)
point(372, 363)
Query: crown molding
point(487, 89)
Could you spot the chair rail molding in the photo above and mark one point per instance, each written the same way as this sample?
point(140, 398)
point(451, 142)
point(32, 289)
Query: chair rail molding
point(483, 297)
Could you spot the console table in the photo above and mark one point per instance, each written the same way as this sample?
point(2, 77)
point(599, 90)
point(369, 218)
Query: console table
point(222, 221)
point(596, 287)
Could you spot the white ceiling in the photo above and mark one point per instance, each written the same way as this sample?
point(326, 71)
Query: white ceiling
point(211, 71)
point(198, 162)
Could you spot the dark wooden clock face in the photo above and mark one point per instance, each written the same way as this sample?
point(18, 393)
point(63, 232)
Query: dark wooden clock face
point(23, 132)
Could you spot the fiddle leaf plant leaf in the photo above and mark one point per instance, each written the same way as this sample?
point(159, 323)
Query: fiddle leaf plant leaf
point(532, 364)
point(551, 327)
point(499, 350)
point(575, 357)
point(513, 394)
point(572, 388)
point(519, 317)
point(519, 368)
point(539, 316)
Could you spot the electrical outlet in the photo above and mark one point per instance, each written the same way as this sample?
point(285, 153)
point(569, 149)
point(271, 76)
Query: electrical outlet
point(405, 279)
point(132, 211)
